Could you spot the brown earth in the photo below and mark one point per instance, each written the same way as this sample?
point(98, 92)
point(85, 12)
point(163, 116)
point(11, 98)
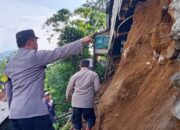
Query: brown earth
point(140, 95)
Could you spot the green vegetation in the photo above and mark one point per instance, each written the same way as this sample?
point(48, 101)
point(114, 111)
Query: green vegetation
point(67, 126)
point(70, 26)
point(2, 76)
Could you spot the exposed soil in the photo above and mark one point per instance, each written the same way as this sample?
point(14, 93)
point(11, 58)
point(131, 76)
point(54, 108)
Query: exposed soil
point(140, 95)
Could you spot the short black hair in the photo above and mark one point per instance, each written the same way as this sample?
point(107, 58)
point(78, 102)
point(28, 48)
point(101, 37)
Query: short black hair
point(84, 63)
point(21, 42)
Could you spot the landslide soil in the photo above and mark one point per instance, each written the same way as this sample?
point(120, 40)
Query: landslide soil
point(140, 96)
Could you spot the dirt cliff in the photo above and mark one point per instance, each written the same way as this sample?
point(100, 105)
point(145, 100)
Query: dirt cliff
point(140, 95)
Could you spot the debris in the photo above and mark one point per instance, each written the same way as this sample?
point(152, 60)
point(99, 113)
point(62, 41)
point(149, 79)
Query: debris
point(175, 6)
point(156, 55)
point(116, 116)
point(175, 110)
point(161, 59)
point(126, 50)
point(148, 63)
point(144, 89)
point(175, 80)
point(176, 29)
point(171, 51)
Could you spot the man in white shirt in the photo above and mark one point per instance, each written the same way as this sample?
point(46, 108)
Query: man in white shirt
point(81, 90)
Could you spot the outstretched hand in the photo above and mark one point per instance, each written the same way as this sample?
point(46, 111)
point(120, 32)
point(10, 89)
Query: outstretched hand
point(87, 40)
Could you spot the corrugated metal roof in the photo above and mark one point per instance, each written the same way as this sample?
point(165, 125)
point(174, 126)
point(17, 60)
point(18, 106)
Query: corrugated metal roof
point(4, 111)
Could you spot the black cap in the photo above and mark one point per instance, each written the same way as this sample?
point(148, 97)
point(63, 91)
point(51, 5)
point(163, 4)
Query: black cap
point(25, 34)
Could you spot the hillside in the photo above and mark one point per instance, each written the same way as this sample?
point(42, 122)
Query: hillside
point(140, 95)
point(5, 55)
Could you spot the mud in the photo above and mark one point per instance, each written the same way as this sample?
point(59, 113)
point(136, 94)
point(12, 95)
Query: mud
point(140, 96)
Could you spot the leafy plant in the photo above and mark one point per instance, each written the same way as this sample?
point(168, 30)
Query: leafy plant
point(3, 78)
point(67, 126)
point(67, 27)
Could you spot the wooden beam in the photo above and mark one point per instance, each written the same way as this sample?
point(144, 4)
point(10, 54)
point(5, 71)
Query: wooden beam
point(100, 51)
point(101, 32)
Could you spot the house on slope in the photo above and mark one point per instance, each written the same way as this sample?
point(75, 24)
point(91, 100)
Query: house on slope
point(119, 18)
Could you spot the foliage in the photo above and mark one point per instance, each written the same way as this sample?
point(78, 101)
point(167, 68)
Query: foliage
point(2, 76)
point(96, 4)
point(69, 34)
point(67, 126)
point(2, 66)
point(100, 70)
point(57, 77)
point(62, 15)
point(67, 27)
point(94, 19)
